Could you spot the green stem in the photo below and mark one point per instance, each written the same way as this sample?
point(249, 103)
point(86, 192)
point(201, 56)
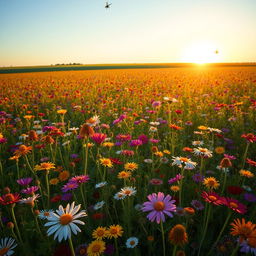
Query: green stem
point(116, 246)
point(15, 224)
point(174, 250)
point(201, 165)
point(224, 183)
point(163, 240)
point(71, 246)
point(48, 188)
point(235, 250)
point(180, 191)
point(86, 156)
point(245, 154)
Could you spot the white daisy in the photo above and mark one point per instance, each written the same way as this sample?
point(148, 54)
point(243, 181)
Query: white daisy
point(119, 196)
point(132, 242)
point(64, 221)
point(45, 214)
point(203, 152)
point(128, 191)
point(101, 184)
point(7, 245)
point(179, 161)
point(30, 200)
point(98, 205)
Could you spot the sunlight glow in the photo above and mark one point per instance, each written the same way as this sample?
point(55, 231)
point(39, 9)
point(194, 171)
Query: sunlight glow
point(201, 53)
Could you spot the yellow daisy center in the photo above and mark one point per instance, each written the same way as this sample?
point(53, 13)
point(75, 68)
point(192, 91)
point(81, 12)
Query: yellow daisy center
point(96, 248)
point(213, 198)
point(233, 205)
point(3, 251)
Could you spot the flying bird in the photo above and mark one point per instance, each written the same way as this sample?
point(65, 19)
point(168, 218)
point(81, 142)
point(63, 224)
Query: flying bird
point(107, 6)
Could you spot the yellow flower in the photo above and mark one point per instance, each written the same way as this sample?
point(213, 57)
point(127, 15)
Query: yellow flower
point(246, 173)
point(96, 248)
point(130, 166)
point(89, 145)
point(202, 127)
point(106, 162)
point(54, 181)
point(45, 166)
point(108, 144)
point(115, 231)
point(220, 150)
point(175, 188)
point(124, 175)
point(167, 152)
point(211, 183)
point(28, 117)
point(159, 153)
point(99, 233)
point(62, 111)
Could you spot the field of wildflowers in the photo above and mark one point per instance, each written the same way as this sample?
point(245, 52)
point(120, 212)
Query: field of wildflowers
point(128, 162)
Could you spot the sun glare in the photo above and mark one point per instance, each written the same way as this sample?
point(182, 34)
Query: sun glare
point(201, 53)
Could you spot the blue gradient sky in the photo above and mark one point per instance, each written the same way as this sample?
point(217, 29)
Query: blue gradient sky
point(36, 32)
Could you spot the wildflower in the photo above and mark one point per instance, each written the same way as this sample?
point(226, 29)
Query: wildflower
point(202, 152)
point(235, 205)
point(62, 111)
point(9, 199)
point(54, 181)
point(211, 183)
point(64, 175)
point(220, 150)
point(189, 211)
point(242, 229)
point(251, 162)
point(249, 246)
point(108, 144)
point(135, 143)
point(128, 191)
point(246, 173)
point(235, 190)
point(44, 214)
point(119, 196)
point(45, 166)
point(159, 205)
point(197, 205)
point(130, 166)
point(30, 200)
point(30, 190)
point(80, 179)
point(81, 249)
point(98, 205)
point(98, 137)
point(148, 161)
point(115, 231)
point(212, 198)
point(32, 135)
point(124, 175)
point(198, 178)
point(184, 160)
point(69, 186)
point(197, 143)
point(249, 197)
point(177, 178)
point(127, 152)
point(175, 127)
point(156, 182)
point(178, 235)
point(22, 150)
point(175, 188)
point(123, 137)
point(93, 121)
point(24, 181)
point(132, 242)
point(225, 163)
point(250, 137)
point(63, 222)
point(7, 245)
point(86, 131)
point(96, 248)
point(99, 233)
point(106, 162)
point(101, 184)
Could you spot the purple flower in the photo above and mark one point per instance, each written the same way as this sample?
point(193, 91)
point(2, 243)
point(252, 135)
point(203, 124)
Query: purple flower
point(69, 186)
point(24, 181)
point(30, 190)
point(74, 156)
point(197, 205)
point(156, 104)
point(247, 249)
point(136, 143)
point(66, 197)
point(48, 128)
point(198, 178)
point(250, 197)
point(119, 119)
point(177, 178)
point(159, 205)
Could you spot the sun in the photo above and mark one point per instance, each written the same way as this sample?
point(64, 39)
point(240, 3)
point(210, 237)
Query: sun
point(201, 53)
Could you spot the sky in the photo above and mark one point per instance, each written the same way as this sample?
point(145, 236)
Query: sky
point(44, 32)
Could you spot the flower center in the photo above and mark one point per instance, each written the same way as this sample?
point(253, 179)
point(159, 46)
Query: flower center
point(159, 206)
point(82, 251)
point(3, 251)
point(212, 198)
point(46, 214)
point(113, 231)
point(100, 232)
point(233, 205)
point(96, 248)
point(65, 219)
point(132, 243)
point(184, 159)
point(9, 197)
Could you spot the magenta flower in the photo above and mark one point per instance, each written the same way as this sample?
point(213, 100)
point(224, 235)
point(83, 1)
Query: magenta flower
point(136, 143)
point(24, 181)
point(98, 137)
point(177, 178)
point(30, 190)
point(235, 205)
point(69, 186)
point(80, 179)
point(158, 206)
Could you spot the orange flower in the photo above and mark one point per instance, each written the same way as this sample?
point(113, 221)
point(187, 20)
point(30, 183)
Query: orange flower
point(178, 235)
point(32, 135)
point(86, 131)
point(23, 150)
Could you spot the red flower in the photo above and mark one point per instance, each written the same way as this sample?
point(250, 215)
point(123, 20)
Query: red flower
point(212, 198)
point(115, 160)
point(234, 190)
point(249, 137)
point(10, 198)
point(98, 216)
point(235, 205)
point(56, 199)
point(250, 162)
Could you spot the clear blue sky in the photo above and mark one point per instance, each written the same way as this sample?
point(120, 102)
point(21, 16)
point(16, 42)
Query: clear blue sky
point(35, 32)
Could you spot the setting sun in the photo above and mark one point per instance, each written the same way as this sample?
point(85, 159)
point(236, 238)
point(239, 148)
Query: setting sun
point(201, 53)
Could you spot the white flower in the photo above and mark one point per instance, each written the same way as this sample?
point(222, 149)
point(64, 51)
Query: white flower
point(7, 245)
point(148, 161)
point(183, 160)
point(152, 129)
point(204, 152)
point(128, 191)
point(154, 123)
point(29, 200)
point(64, 221)
point(214, 130)
point(197, 143)
point(45, 214)
point(101, 184)
point(98, 205)
point(119, 196)
point(132, 242)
